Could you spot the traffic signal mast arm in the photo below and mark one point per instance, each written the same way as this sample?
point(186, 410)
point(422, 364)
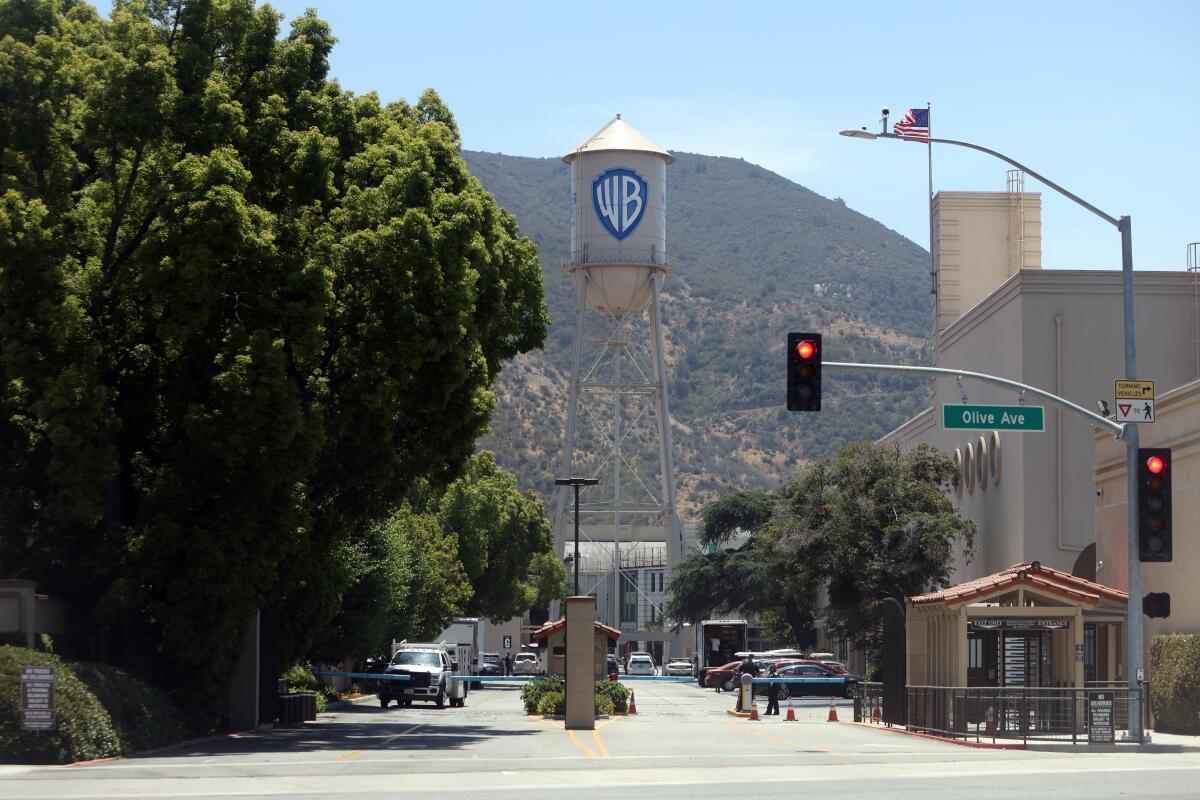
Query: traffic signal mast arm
point(1117, 429)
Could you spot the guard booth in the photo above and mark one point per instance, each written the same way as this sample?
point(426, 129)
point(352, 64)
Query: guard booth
point(1026, 626)
point(552, 643)
point(1012, 653)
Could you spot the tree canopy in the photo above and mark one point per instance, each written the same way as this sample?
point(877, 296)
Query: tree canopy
point(873, 523)
point(243, 312)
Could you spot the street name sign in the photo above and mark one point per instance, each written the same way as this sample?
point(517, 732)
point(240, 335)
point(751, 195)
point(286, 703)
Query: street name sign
point(1000, 418)
point(37, 698)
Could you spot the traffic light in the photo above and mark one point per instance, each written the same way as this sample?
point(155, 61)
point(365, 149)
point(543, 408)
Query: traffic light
point(1157, 604)
point(804, 372)
point(1154, 504)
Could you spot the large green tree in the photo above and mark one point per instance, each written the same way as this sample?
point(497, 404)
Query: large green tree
point(873, 523)
point(505, 540)
point(241, 312)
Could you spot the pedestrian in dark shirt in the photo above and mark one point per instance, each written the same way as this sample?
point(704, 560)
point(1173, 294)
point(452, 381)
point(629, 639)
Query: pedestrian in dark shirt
point(508, 663)
point(773, 693)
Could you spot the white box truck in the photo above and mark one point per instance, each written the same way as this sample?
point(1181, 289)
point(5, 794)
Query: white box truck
point(469, 631)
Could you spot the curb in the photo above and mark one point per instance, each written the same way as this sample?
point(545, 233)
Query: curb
point(947, 739)
point(742, 714)
point(366, 698)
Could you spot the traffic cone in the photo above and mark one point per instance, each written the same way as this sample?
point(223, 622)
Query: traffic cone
point(632, 705)
point(753, 708)
point(832, 711)
point(791, 715)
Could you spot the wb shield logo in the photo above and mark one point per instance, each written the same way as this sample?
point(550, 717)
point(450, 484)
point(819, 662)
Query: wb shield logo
point(619, 195)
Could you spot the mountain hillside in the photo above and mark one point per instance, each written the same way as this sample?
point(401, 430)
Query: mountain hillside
point(756, 256)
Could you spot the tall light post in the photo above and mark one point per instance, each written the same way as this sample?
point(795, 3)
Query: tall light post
point(576, 482)
point(1133, 614)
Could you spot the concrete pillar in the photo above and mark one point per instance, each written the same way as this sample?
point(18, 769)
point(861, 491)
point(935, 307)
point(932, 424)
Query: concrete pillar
point(581, 665)
point(243, 685)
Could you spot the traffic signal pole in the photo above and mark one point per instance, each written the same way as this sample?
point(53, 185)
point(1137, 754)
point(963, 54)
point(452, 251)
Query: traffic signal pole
point(1118, 430)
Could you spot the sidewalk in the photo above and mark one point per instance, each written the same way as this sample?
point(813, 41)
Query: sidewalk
point(1159, 742)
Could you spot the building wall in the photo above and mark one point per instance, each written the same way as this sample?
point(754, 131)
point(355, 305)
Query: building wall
point(1059, 330)
point(1177, 426)
point(975, 240)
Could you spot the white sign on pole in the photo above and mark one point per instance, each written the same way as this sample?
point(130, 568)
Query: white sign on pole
point(1141, 411)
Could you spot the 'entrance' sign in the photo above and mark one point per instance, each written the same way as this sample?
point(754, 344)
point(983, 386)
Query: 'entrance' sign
point(1000, 418)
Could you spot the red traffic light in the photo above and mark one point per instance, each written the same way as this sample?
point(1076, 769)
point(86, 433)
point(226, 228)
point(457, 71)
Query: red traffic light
point(1155, 464)
point(806, 349)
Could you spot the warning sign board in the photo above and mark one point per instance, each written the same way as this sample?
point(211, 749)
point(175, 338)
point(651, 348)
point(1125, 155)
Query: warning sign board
point(37, 698)
point(1135, 411)
point(1134, 390)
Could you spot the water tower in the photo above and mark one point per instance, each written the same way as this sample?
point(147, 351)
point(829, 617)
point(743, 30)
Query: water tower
point(618, 418)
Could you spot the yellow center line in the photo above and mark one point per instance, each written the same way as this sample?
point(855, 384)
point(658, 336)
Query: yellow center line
point(599, 744)
point(351, 754)
point(587, 750)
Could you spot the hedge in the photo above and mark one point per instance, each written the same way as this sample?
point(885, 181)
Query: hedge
point(1175, 682)
point(547, 696)
point(100, 711)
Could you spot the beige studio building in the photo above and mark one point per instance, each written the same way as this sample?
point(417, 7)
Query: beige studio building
point(1047, 497)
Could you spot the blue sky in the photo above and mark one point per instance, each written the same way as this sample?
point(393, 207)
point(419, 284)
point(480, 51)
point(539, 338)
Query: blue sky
point(1101, 97)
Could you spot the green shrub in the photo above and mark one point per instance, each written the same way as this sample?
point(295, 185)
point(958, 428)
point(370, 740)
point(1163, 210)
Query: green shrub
point(616, 693)
point(552, 703)
point(1175, 682)
point(83, 728)
point(604, 705)
point(142, 715)
point(532, 691)
point(301, 678)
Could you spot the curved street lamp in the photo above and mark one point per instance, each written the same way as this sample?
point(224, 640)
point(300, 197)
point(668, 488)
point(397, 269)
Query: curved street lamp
point(1133, 617)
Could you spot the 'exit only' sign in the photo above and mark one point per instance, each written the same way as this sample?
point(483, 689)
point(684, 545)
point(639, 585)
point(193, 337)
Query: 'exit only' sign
point(1000, 418)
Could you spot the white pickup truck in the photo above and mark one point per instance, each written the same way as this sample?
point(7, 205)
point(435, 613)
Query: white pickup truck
point(429, 667)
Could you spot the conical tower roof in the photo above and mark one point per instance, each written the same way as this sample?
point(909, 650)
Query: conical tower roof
point(618, 135)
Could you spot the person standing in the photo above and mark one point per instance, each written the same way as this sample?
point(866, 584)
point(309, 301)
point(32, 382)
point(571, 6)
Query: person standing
point(772, 693)
point(508, 662)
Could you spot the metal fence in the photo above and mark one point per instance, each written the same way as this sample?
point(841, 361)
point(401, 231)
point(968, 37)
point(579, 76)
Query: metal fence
point(1055, 714)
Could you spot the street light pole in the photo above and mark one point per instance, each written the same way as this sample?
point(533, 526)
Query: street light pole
point(576, 482)
point(1133, 613)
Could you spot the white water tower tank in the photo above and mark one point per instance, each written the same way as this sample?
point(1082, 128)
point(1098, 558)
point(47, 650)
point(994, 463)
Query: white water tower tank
point(618, 217)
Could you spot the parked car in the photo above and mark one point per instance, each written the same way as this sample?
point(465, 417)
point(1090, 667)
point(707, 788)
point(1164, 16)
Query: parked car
point(723, 677)
point(678, 666)
point(824, 681)
point(490, 666)
point(641, 664)
point(526, 664)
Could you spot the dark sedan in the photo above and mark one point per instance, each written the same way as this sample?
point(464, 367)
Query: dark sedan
point(819, 681)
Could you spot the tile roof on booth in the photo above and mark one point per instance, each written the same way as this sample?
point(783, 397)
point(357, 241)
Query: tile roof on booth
point(551, 627)
point(1031, 574)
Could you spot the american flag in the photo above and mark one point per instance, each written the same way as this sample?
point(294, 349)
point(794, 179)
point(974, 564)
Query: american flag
point(915, 124)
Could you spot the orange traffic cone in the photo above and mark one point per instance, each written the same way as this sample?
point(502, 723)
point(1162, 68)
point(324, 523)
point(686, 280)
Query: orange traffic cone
point(791, 715)
point(632, 705)
point(832, 712)
point(753, 708)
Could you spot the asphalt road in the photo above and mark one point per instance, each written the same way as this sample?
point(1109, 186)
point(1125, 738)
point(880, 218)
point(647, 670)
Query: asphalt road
point(682, 744)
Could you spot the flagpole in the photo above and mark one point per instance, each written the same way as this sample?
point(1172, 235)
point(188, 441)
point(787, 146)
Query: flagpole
point(932, 258)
